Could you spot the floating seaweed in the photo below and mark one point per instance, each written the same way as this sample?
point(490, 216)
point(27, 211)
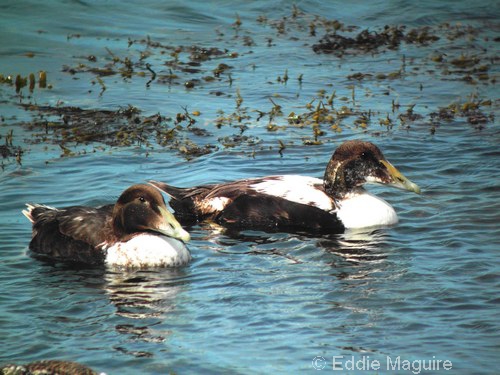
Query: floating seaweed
point(319, 118)
point(236, 140)
point(470, 110)
point(8, 150)
point(21, 82)
point(365, 41)
point(73, 125)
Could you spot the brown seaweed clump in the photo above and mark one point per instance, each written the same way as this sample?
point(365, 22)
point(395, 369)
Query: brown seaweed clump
point(29, 81)
point(67, 124)
point(470, 110)
point(8, 150)
point(390, 37)
point(365, 41)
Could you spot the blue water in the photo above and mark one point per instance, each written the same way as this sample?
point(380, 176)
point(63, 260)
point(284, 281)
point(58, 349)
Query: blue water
point(253, 302)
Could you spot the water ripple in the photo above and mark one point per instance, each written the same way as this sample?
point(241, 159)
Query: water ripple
point(254, 302)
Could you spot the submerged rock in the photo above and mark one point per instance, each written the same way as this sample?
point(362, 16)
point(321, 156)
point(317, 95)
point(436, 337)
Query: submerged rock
point(47, 367)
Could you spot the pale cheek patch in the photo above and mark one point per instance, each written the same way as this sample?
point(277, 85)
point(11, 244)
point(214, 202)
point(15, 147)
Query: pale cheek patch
point(374, 180)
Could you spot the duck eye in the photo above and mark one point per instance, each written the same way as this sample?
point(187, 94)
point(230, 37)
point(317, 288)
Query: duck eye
point(366, 155)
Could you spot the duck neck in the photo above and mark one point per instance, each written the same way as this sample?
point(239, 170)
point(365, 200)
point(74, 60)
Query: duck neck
point(117, 229)
point(110, 232)
point(336, 182)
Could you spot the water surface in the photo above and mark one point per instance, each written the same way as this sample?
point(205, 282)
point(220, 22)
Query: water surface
point(253, 302)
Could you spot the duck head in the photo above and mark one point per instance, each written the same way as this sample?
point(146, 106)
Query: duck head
point(141, 208)
point(355, 163)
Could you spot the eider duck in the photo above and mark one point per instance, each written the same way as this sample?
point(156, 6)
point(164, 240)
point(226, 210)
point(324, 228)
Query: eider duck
point(136, 231)
point(299, 203)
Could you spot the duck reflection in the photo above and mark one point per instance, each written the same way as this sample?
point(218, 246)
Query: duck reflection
point(355, 246)
point(233, 241)
point(144, 294)
point(137, 304)
point(144, 300)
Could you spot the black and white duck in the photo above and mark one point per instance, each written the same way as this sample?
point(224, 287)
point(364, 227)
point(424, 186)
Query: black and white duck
point(299, 203)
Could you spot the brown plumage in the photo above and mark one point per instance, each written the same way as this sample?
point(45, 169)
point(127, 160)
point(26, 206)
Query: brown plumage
point(83, 234)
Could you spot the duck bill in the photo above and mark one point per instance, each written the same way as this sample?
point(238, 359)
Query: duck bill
point(170, 227)
point(398, 180)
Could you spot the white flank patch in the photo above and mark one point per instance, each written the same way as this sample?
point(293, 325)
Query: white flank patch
point(362, 210)
point(148, 250)
point(215, 204)
point(295, 188)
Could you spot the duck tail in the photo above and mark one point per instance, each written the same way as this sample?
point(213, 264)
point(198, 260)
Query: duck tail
point(183, 201)
point(172, 191)
point(28, 212)
point(34, 211)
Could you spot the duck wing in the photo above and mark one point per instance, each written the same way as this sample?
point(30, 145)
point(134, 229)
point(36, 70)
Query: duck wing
point(205, 201)
point(272, 213)
point(278, 203)
point(70, 234)
point(201, 202)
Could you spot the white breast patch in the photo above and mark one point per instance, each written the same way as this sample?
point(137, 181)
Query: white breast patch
point(148, 250)
point(366, 210)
